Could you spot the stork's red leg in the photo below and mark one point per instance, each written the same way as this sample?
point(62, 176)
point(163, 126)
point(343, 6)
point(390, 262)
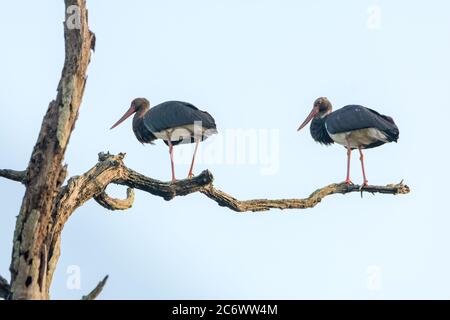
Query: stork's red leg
point(171, 159)
point(349, 154)
point(190, 174)
point(365, 183)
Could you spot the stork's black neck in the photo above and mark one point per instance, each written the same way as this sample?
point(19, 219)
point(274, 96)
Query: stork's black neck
point(140, 130)
point(319, 131)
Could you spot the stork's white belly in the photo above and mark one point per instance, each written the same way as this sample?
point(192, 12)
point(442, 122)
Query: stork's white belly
point(184, 132)
point(358, 138)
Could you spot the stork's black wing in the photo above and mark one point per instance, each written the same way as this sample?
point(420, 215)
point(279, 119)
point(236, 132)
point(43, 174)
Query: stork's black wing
point(355, 117)
point(172, 114)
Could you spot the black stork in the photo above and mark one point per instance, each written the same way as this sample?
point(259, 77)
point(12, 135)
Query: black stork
point(353, 126)
point(175, 122)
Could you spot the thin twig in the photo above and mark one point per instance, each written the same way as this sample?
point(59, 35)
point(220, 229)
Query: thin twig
point(96, 291)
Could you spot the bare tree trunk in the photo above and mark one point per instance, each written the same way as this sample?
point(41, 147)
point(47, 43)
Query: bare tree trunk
point(34, 245)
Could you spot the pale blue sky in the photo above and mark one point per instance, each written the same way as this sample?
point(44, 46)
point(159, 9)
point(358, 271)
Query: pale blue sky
point(253, 65)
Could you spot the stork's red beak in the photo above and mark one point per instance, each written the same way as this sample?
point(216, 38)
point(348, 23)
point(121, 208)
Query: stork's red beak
point(125, 116)
point(311, 115)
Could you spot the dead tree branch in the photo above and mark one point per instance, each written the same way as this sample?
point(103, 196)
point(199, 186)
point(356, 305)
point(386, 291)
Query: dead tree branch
point(96, 291)
point(225, 200)
point(111, 169)
point(14, 175)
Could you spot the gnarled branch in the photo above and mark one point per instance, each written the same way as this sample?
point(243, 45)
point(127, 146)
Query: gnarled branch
point(225, 200)
point(14, 175)
point(111, 169)
point(96, 291)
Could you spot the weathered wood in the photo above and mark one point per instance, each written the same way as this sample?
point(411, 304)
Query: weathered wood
point(111, 169)
point(46, 172)
point(109, 203)
point(225, 200)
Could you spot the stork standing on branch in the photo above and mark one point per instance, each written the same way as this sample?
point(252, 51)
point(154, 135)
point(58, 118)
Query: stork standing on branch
point(175, 122)
point(353, 126)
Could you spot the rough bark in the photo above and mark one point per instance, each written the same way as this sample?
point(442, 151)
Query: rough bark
point(33, 247)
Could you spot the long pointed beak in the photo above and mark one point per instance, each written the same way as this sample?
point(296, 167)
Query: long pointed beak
point(124, 117)
point(311, 115)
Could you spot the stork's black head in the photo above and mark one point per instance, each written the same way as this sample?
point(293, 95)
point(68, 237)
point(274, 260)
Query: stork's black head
point(139, 105)
point(322, 106)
